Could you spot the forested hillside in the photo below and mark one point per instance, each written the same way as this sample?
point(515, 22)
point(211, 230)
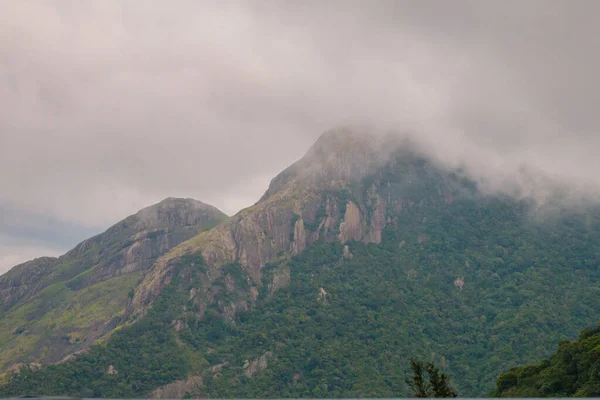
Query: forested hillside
point(572, 371)
point(476, 285)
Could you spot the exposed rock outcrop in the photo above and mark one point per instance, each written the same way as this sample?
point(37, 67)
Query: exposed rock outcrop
point(378, 221)
point(322, 296)
point(24, 280)
point(72, 356)
point(260, 364)
point(111, 370)
point(347, 254)
point(16, 368)
point(178, 389)
point(179, 325)
point(353, 224)
point(300, 238)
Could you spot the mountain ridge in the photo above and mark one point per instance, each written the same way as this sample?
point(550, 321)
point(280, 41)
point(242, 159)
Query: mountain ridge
point(258, 234)
point(340, 272)
point(42, 287)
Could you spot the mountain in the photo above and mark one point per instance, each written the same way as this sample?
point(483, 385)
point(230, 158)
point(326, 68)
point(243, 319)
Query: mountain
point(301, 206)
point(572, 371)
point(55, 306)
point(359, 256)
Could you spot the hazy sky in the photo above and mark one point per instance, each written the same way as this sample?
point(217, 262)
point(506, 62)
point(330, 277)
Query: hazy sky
point(109, 106)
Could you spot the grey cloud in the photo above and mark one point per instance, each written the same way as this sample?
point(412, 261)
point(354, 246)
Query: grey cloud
point(22, 227)
point(11, 256)
point(25, 235)
point(109, 106)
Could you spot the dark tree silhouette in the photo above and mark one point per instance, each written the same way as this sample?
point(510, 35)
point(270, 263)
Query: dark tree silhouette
point(437, 386)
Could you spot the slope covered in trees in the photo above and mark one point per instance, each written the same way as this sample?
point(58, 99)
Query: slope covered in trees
point(474, 285)
point(572, 371)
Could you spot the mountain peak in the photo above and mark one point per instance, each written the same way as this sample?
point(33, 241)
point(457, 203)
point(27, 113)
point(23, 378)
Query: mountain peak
point(108, 265)
point(178, 202)
point(175, 211)
point(349, 139)
point(339, 156)
point(342, 139)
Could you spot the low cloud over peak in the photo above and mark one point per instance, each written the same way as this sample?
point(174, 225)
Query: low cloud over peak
point(110, 106)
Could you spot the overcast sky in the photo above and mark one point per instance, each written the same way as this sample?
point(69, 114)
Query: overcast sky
point(109, 106)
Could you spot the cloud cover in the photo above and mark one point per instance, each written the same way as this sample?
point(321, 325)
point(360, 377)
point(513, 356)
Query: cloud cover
point(109, 106)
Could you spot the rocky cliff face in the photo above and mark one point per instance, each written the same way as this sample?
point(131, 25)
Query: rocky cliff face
point(54, 306)
point(24, 280)
point(137, 241)
point(132, 244)
point(341, 190)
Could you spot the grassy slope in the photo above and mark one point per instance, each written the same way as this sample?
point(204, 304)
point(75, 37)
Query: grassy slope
point(145, 355)
point(62, 316)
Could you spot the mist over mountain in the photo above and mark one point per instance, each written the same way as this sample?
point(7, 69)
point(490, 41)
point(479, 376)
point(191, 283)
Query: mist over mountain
point(360, 255)
point(109, 108)
point(403, 178)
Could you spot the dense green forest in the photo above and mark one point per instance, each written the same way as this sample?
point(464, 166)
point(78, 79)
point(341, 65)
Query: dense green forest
point(573, 371)
point(476, 286)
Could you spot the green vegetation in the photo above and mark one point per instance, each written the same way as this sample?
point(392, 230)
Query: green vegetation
point(145, 355)
point(348, 327)
point(573, 371)
point(438, 384)
point(57, 318)
point(525, 287)
point(475, 285)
